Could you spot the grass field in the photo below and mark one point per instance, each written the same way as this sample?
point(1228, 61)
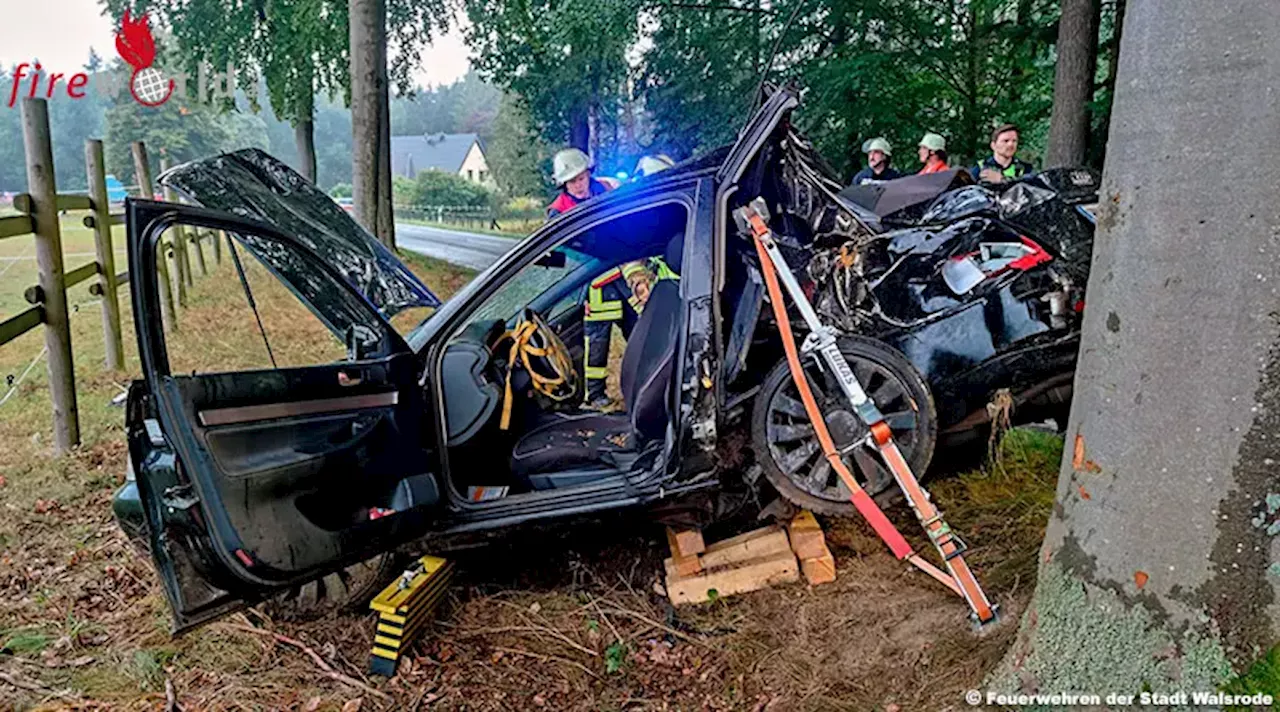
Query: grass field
point(560, 620)
point(513, 230)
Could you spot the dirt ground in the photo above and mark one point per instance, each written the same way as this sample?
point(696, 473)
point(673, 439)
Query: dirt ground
point(561, 620)
point(567, 620)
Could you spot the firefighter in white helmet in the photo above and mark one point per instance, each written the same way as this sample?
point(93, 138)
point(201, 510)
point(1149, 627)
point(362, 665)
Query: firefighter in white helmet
point(612, 297)
point(653, 163)
point(571, 169)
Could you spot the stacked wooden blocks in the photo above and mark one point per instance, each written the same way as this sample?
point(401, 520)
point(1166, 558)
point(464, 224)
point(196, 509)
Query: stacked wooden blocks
point(697, 572)
point(810, 546)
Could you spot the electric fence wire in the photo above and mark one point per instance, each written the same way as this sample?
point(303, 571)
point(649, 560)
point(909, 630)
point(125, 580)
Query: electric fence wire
point(25, 373)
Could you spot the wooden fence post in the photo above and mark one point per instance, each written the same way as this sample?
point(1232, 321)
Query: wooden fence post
point(197, 237)
point(143, 170)
point(217, 246)
point(179, 242)
point(95, 167)
point(48, 235)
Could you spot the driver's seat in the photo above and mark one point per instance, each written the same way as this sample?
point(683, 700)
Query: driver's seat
point(569, 441)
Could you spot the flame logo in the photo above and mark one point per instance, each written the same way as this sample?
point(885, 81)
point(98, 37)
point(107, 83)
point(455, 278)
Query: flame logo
point(137, 47)
point(134, 41)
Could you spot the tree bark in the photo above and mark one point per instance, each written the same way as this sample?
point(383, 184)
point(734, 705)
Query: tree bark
point(1098, 152)
point(580, 129)
point(370, 119)
point(1157, 563)
point(1073, 83)
point(304, 135)
point(386, 208)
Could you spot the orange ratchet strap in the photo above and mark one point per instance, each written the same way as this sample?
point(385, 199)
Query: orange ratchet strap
point(961, 579)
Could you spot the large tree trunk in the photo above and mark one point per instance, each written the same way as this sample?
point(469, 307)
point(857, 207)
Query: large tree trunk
point(386, 207)
point(580, 129)
point(304, 135)
point(1073, 83)
point(1156, 568)
point(370, 107)
point(1098, 152)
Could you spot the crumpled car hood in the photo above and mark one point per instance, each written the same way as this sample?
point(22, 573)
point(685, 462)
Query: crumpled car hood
point(252, 184)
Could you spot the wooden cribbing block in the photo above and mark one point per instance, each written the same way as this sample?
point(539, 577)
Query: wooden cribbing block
point(685, 547)
point(684, 565)
point(746, 576)
point(818, 570)
point(687, 542)
point(747, 562)
point(752, 545)
point(806, 535)
point(810, 546)
point(735, 550)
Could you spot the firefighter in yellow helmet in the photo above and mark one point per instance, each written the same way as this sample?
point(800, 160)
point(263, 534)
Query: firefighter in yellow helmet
point(617, 297)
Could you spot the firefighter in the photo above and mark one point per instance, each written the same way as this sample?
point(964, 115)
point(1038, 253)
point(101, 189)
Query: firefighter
point(617, 297)
point(650, 164)
point(1003, 164)
point(879, 155)
point(571, 169)
point(933, 153)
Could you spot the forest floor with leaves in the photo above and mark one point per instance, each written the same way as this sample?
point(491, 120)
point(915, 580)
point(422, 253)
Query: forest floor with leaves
point(566, 619)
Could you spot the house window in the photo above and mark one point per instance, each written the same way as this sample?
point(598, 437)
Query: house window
point(483, 175)
point(471, 175)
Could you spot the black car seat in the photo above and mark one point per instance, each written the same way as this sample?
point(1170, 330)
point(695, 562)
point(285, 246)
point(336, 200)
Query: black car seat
point(565, 441)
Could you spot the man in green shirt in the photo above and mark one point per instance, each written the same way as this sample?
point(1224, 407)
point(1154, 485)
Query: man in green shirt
point(1003, 164)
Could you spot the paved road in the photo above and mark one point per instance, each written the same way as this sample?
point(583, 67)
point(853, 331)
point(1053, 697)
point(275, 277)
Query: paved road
point(467, 249)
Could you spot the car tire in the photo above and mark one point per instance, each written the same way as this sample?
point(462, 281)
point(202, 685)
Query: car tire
point(893, 380)
point(346, 590)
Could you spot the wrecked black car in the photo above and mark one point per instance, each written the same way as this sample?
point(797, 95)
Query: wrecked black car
point(248, 483)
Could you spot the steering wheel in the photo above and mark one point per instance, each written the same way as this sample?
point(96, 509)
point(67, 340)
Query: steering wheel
point(538, 348)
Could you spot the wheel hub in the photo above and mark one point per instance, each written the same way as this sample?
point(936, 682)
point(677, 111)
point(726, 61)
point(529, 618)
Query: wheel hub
point(846, 429)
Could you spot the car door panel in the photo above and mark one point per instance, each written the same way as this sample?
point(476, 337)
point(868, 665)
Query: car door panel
point(264, 479)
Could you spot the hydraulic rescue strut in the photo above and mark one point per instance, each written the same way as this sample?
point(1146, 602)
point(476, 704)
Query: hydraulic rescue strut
point(821, 342)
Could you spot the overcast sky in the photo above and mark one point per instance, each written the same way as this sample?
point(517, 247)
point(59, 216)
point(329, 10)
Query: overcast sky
point(60, 33)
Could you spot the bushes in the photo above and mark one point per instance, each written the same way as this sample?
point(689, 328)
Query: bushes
point(440, 188)
point(341, 190)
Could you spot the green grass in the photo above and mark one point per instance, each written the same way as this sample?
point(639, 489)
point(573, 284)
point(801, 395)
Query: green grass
point(25, 641)
point(1263, 676)
point(515, 230)
point(18, 264)
point(1005, 504)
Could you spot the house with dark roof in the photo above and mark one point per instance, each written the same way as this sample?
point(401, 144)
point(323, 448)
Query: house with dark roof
point(460, 154)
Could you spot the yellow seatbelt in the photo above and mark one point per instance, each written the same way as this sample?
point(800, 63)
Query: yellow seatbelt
point(520, 353)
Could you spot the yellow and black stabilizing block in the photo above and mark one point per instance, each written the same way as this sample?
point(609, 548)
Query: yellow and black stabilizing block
point(403, 607)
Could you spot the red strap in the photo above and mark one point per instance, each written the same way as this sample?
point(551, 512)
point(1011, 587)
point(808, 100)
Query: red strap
point(861, 500)
point(961, 580)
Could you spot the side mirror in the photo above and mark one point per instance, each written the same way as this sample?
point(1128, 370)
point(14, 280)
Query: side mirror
point(552, 260)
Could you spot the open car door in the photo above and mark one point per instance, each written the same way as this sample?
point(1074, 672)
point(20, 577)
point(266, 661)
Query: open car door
point(254, 481)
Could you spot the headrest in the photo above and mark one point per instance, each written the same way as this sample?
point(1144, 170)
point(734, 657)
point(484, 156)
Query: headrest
point(674, 254)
